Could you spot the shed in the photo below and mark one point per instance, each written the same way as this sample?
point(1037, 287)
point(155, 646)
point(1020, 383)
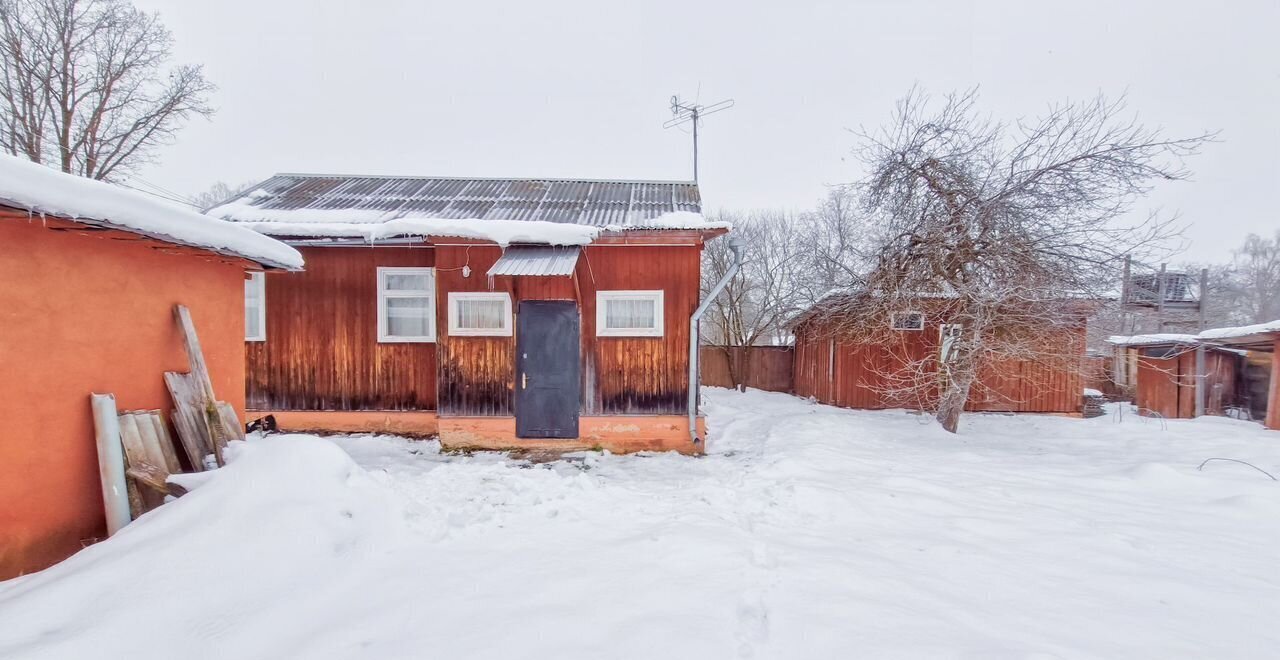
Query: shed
point(1263, 339)
point(91, 274)
point(496, 313)
point(1163, 368)
point(839, 371)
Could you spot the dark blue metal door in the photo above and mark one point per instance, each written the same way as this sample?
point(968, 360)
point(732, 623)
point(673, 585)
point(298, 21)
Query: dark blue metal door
point(548, 387)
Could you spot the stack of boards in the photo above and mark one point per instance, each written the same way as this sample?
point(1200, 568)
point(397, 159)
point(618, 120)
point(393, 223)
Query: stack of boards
point(137, 454)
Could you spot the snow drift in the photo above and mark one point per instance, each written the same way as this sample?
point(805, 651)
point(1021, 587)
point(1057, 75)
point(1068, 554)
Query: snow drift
point(808, 532)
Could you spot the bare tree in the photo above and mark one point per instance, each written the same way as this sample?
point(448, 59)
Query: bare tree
point(1002, 229)
point(218, 193)
point(83, 85)
point(1250, 285)
point(834, 246)
point(761, 297)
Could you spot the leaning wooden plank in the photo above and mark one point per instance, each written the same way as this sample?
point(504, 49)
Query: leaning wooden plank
point(135, 453)
point(137, 502)
point(205, 400)
point(217, 430)
point(230, 421)
point(154, 478)
point(115, 494)
point(195, 357)
point(166, 443)
point(189, 437)
point(186, 421)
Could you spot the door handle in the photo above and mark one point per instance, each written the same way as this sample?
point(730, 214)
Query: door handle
point(524, 381)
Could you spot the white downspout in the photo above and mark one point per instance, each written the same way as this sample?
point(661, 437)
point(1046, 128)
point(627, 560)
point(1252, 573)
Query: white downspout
point(736, 245)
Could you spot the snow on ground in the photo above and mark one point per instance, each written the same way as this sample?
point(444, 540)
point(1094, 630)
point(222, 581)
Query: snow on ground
point(808, 532)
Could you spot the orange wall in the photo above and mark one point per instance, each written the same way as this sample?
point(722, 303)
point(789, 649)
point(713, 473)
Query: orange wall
point(92, 311)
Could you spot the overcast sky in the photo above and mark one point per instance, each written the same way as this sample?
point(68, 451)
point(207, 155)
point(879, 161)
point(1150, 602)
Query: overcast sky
point(581, 89)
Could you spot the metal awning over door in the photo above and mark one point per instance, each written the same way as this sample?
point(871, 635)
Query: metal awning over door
point(536, 261)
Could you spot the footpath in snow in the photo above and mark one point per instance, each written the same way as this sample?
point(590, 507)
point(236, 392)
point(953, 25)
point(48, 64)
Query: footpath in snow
point(808, 532)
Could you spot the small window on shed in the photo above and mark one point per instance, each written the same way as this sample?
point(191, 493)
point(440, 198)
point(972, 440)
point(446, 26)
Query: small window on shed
point(480, 314)
point(629, 313)
point(907, 321)
point(406, 305)
point(1161, 352)
point(255, 307)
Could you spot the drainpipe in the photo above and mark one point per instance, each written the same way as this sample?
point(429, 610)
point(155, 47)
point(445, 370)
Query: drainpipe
point(736, 245)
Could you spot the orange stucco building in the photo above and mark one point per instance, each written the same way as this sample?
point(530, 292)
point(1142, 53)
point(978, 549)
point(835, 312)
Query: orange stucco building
point(87, 306)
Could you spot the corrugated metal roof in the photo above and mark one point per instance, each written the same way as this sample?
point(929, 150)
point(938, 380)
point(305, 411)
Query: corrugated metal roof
point(595, 203)
point(536, 261)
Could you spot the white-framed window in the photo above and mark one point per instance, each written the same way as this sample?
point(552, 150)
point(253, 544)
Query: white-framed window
point(406, 305)
point(255, 307)
point(480, 314)
point(629, 314)
point(913, 321)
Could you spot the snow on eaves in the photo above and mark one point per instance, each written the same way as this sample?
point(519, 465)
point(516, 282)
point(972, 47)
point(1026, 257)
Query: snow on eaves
point(1241, 331)
point(1148, 340)
point(40, 190)
point(375, 224)
point(502, 232)
point(1208, 336)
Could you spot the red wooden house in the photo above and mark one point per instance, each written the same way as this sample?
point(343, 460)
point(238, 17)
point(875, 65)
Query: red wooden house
point(91, 273)
point(836, 370)
point(497, 313)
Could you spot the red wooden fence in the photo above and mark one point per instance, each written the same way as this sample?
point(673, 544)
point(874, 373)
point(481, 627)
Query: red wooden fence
point(762, 367)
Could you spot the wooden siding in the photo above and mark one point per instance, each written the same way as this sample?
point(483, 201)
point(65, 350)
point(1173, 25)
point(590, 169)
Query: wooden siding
point(639, 375)
point(1166, 385)
point(322, 350)
point(620, 375)
point(477, 374)
point(853, 375)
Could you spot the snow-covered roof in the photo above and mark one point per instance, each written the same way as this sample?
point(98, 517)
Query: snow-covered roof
point(1214, 337)
point(1242, 331)
point(39, 190)
point(506, 211)
point(1152, 340)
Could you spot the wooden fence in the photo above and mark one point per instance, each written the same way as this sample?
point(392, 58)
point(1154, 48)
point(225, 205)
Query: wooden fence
point(762, 367)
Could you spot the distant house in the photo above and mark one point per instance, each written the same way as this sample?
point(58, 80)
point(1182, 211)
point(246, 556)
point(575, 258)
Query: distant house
point(497, 313)
point(91, 273)
point(836, 370)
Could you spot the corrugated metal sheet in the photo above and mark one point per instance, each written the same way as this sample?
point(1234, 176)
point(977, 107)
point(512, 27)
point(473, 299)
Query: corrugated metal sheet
point(584, 202)
point(536, 261)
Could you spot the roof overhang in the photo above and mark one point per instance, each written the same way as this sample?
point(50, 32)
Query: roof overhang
point(53, 220)
point(1263, 341)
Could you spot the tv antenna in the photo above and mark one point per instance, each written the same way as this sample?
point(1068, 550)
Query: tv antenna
point(692, 113)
